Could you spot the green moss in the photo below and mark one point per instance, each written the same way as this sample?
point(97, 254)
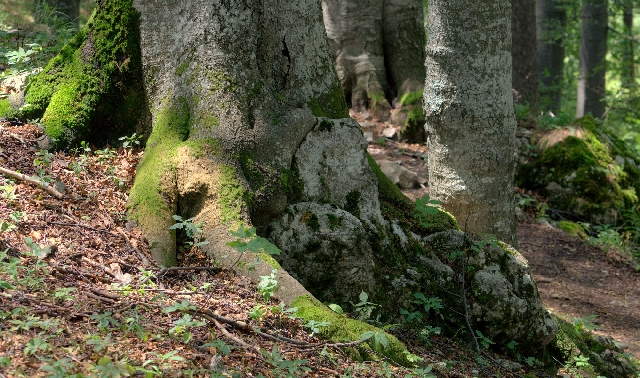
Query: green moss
point(586, 167)
point(572, 228)
point(311, 220)
point(325, 125)
point(343, 329)
point(6, 110)
point(93, 89)
point(269, 260)
point(411, 98)
point(292, 184)
point(233, 197)
point(334, 222)
point(150, 201)
point(571, 342)
point(182, 68)
point(352, 203)
point(331, 104)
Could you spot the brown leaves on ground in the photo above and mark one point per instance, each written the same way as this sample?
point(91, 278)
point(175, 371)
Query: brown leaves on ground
point(79, 294)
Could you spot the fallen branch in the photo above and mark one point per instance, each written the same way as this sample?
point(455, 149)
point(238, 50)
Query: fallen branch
point(44, 186)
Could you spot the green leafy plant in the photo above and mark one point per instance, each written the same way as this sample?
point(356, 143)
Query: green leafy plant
point(255, 243)
point(425, 208)
point(483, 340)
point(268, 285)
point(181, 326)
point(584, 324)
point(364, 308)
point(190, 229)
point(378, 340)
point(129, 142)
point(283, 367)
point(315, 326)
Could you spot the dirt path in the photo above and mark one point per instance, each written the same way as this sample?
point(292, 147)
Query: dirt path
point(573, 278)
point(581, 280)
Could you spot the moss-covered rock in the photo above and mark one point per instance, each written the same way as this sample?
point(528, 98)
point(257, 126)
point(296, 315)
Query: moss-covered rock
point(585, 354)
point(92, 90)
point(583, 170)
point(573, 228)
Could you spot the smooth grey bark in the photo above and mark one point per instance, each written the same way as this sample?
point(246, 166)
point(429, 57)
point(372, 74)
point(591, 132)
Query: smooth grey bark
point(69, 8)
point(378, 47)
point(593, 50)
point(468, 105)
point(551, 18)
point(523, 53)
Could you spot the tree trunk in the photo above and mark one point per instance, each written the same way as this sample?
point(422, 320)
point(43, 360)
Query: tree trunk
point(251, 128)
point(593, 50)
point(378, 47)
point(551, 18)
point(524, 59)
point(70, 9)
point(92, 91)
point(628, 59)
point(469, 110)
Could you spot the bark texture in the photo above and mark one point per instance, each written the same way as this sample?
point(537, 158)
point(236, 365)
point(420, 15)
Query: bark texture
point(551, 20)
point(378, 47)
point(469, 111)
point(524, 59)
point(593, 50)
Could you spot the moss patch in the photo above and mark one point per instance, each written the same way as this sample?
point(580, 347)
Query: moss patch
point(93, 89)
point(152, 197)
point(343, 329)
point(330, 105)
point(572, 228)
point(5, 108)
point(584, 162)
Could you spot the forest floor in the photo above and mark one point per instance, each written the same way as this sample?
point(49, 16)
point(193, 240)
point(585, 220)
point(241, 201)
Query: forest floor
point(574, 279)
point(78, 292)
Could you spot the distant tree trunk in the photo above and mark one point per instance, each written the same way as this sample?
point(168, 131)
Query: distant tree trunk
point(378, 47)
point(69, 8)
point(551, 19)
point(469, 110)
point(523, 53)
point(593, 50)
point(628, 61)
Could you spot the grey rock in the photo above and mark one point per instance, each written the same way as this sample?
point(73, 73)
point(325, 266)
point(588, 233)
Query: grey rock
point(368, 136)
point(390, 133)
point(366, 125)
point(400, 175)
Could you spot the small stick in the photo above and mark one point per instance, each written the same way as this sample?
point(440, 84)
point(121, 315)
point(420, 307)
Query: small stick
point(46, 187)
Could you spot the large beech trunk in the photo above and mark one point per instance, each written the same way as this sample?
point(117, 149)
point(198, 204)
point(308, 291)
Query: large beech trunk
point(469, 111)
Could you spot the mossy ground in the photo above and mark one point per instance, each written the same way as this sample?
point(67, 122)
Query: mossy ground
point(586, 162)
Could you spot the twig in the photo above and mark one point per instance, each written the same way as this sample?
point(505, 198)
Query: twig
point(46, 187)
point(82, 225)
point(145, 260)
point(233, 338)
point(179, 268)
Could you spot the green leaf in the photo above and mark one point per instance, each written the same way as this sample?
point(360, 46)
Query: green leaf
point(336, 308)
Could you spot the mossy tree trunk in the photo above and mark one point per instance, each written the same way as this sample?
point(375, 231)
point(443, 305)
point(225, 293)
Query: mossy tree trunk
point(250, 127)
point(92, 91)
point(378, 47)
point(469, 111)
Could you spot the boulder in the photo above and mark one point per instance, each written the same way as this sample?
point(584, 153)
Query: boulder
point(400, 175)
